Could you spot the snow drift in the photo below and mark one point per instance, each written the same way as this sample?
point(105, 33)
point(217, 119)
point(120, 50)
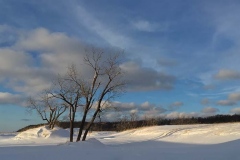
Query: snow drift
point(182, 142)
point(43, 132)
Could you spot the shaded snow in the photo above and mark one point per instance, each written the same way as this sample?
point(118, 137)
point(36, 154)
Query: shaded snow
point(211, 141)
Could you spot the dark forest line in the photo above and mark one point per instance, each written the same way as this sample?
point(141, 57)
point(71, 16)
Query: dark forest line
point(125, 124)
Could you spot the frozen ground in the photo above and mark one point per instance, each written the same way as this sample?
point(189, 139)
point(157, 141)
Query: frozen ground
point(181, 142)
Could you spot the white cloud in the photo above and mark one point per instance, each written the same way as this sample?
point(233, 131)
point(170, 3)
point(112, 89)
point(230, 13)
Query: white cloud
point(111, 117)
point(175, 105)
point(13, 60)
point(174, 115)
point(146, 106)
point(234, 96)
point(153, 113)
point(226, 103)
point(143, 110)
point(235, 110)
point(134, 111)
point(9, 98)
point(143, 107)
point(205, 101)
point(149, 110)
point(144, 79)
point(233, 99)
point(18, 71)
point(210, 110)
point(41, 39)
point(225, 74)
point(124, 106)
point(30, 74)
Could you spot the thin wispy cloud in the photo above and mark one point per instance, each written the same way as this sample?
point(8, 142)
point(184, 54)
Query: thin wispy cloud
point(112, 37)
point(146, 26)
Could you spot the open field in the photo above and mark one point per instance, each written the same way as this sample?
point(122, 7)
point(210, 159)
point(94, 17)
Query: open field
point(213, 141)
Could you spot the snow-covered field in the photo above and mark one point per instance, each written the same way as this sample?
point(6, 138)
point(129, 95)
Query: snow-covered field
point(179, 142)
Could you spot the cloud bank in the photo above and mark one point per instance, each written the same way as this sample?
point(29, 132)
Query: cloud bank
point(42, 54)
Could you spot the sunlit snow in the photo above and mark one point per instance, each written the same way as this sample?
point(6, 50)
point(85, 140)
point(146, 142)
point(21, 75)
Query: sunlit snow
point(187, 142)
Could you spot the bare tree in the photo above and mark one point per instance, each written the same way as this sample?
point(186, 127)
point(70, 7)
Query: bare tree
point(133, 116)
point(47, 108)
point(70, 94)
point(106, 83)
point(128, 121)
point(91, 92)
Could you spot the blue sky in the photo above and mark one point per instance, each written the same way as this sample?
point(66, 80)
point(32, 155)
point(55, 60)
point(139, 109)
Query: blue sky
point(181, 56)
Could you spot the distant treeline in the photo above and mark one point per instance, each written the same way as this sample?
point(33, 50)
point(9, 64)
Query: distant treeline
point(124, 124)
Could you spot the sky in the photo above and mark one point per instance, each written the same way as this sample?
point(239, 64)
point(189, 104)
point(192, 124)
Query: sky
point(182, 57)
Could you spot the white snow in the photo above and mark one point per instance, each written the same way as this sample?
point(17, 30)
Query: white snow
point(182, 142)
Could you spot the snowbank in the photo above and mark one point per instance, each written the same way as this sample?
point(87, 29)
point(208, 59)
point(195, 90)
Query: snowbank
point(191, 134)
point(182, 142)
point(43, 133)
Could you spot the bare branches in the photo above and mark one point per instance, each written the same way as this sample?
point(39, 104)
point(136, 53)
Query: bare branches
point(47, 108)
point(106, 83)
point(69, 90)
point(103, 82)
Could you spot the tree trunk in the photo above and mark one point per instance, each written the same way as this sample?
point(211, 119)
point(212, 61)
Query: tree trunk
point(82, 126)
point(71, 131)
point(89, 125)
point(54, 123)
point(50, 125)
point(72, 126)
